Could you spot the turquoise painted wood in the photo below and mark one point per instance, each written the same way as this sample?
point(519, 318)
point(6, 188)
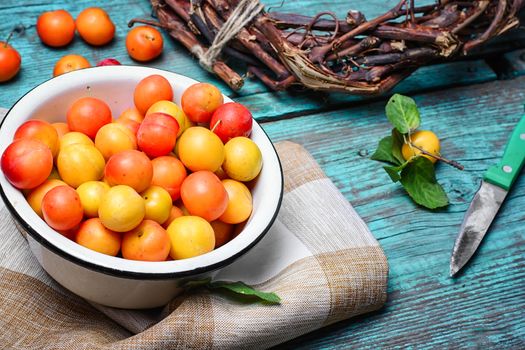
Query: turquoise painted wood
point(38, 60)
point(271, 105)
point(463, 102)
point(516, 62)
point(483, 307)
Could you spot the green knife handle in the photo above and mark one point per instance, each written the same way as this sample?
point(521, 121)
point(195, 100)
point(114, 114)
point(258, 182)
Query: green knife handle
point(507, 170)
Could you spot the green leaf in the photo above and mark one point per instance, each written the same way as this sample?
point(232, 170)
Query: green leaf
point(393, 171)
point(402, 112)
point(419, 180)
point(383, 152)
point(243, 289)
point(240, 289)
point(397, 144)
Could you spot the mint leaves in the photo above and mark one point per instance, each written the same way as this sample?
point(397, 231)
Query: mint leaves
point(389, 149)
point(239, 290)
point(402, 113)
point(384, 152)
point(244, 290)
point(419, 180)
point(417, 174)
point(397, 143)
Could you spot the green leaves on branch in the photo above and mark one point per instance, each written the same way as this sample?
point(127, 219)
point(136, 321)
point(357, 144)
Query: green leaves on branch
point(238, 290)
point(384, 152)
point(397, 143)
point(389, 149)
point(419, 180)
point(402, 113)
point(416, 175)
point(393, 171)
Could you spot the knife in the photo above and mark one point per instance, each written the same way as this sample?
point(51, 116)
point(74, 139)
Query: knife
point(496, 182)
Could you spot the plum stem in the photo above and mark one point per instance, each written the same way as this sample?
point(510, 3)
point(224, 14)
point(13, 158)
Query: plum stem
point(453, 163)
point(7, 40)
point(147, 21)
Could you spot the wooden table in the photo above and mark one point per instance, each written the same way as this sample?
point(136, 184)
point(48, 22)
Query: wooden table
point(472, 106)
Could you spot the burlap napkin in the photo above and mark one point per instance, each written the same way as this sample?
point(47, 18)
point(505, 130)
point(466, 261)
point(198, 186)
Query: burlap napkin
point(319, 257)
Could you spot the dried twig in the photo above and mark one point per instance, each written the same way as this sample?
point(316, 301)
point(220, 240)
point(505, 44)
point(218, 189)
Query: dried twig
point(352, 55)
point(453, 163)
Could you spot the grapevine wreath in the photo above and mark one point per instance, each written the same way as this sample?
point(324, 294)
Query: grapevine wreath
point(355, 55)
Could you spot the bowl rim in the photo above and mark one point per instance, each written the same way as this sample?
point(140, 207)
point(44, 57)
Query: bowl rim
point(33, 233)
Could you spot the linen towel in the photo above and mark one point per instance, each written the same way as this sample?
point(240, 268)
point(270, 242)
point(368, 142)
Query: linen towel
point(319, 257)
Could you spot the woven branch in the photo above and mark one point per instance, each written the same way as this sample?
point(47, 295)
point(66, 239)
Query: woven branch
point(352, 55)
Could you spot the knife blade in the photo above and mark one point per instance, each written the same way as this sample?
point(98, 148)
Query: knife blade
point(495, 185)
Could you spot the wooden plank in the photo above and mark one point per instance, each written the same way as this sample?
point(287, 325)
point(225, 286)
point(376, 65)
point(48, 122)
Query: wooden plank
point(425, 309)
point(483, 307)
point(38, 60)
point(269, 105)
point(516, 61)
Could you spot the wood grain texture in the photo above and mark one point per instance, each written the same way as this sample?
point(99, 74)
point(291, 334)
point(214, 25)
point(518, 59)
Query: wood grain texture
point(270, 105)
point(483, 307)
point(38, 60)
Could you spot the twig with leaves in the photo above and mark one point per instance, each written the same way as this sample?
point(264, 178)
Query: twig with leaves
point(412, 160)
point(453, 163)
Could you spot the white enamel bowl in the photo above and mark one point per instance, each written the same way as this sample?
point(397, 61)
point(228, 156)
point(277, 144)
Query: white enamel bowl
point(108, 280)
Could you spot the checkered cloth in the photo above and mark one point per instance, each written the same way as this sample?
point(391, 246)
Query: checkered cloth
point(319, 257)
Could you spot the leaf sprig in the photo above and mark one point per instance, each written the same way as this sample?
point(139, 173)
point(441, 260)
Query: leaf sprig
point(417, 174)
point(238, 290)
